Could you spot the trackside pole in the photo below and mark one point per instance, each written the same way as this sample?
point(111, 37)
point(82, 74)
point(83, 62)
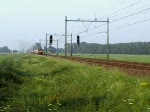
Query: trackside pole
point(71, 44)
point(57, 47)
point(107, 38)
point(65, 37)
point(46, 44)
point(78, 50)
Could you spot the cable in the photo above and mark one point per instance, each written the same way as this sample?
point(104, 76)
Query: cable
point(119, 27)
point(106, 8)
point(93, 34)
point(89, 29)
point(122, 9)
point(130, 24)
point(128, 11)
point(140, 12)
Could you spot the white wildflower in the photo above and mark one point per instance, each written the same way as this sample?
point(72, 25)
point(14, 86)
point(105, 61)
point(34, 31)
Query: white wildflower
point(49, 104)
point(130, 99)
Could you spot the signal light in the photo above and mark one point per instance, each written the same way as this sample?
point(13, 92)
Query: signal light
point(51, 40)
point(78, 39)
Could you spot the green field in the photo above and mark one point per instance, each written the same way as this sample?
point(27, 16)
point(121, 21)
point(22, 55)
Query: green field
point(118, 57)
point(31, 83)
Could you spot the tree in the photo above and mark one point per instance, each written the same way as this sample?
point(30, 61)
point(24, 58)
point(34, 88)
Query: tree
point(5, 49)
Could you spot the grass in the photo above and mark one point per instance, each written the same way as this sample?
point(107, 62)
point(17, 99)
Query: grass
point(120, 57)
point(49, 84)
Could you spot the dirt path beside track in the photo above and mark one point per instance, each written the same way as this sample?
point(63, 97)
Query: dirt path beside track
point(131, 68)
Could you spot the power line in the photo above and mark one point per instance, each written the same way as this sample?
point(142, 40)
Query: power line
point(122, 9)
point(95, 34)
point(118, 27)
point(140, 12)
point(130, 24)
point(106, 8)
point(90, 35)
point(89, 29)
point(129, 12)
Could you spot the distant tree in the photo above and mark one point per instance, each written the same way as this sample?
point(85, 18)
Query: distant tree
point(119, 48)
point(5, 49)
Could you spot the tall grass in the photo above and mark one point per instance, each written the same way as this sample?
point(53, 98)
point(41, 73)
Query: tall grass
point(50, 84)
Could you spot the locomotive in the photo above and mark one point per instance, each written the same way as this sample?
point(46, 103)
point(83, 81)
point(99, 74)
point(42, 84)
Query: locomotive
point(39, 51)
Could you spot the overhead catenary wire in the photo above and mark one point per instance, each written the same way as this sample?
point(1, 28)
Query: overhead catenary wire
point(130, 24)
point(121, 9)
point(89, 29)
point(120, 2)
point(139, 12)
point(120, 14)
point(119, 27)
point(113, 13)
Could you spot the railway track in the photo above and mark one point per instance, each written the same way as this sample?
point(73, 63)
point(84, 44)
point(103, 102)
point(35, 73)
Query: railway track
point(130, 65)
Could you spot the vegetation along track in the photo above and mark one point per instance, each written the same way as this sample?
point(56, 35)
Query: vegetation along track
point(131, 66)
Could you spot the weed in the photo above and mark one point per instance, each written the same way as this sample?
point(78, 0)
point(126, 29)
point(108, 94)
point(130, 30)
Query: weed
point(49, 84)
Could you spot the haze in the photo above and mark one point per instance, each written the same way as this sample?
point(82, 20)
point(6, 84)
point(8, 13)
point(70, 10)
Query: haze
point(24, 22)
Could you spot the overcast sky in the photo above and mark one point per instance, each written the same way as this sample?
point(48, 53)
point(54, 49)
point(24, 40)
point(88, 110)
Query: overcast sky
point(24, 22)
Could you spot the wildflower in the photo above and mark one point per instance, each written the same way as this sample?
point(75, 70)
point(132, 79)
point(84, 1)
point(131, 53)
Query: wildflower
point(49, 104)
point(99, 68)
point(144, 85)
point(5, 108)
point(27, 110)
point(130, 99)
point(58, 104)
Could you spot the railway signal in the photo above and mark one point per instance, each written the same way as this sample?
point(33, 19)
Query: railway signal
point(78, 42)
point(78, 39)
point(51, 39)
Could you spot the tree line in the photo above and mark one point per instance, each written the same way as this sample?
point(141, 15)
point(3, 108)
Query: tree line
point(119, 48)
point(4, 49)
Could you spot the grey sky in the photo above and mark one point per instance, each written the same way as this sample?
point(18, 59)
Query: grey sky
point(24, 22)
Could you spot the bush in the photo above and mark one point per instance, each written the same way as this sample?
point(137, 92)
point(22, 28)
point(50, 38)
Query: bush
point(9, 80)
